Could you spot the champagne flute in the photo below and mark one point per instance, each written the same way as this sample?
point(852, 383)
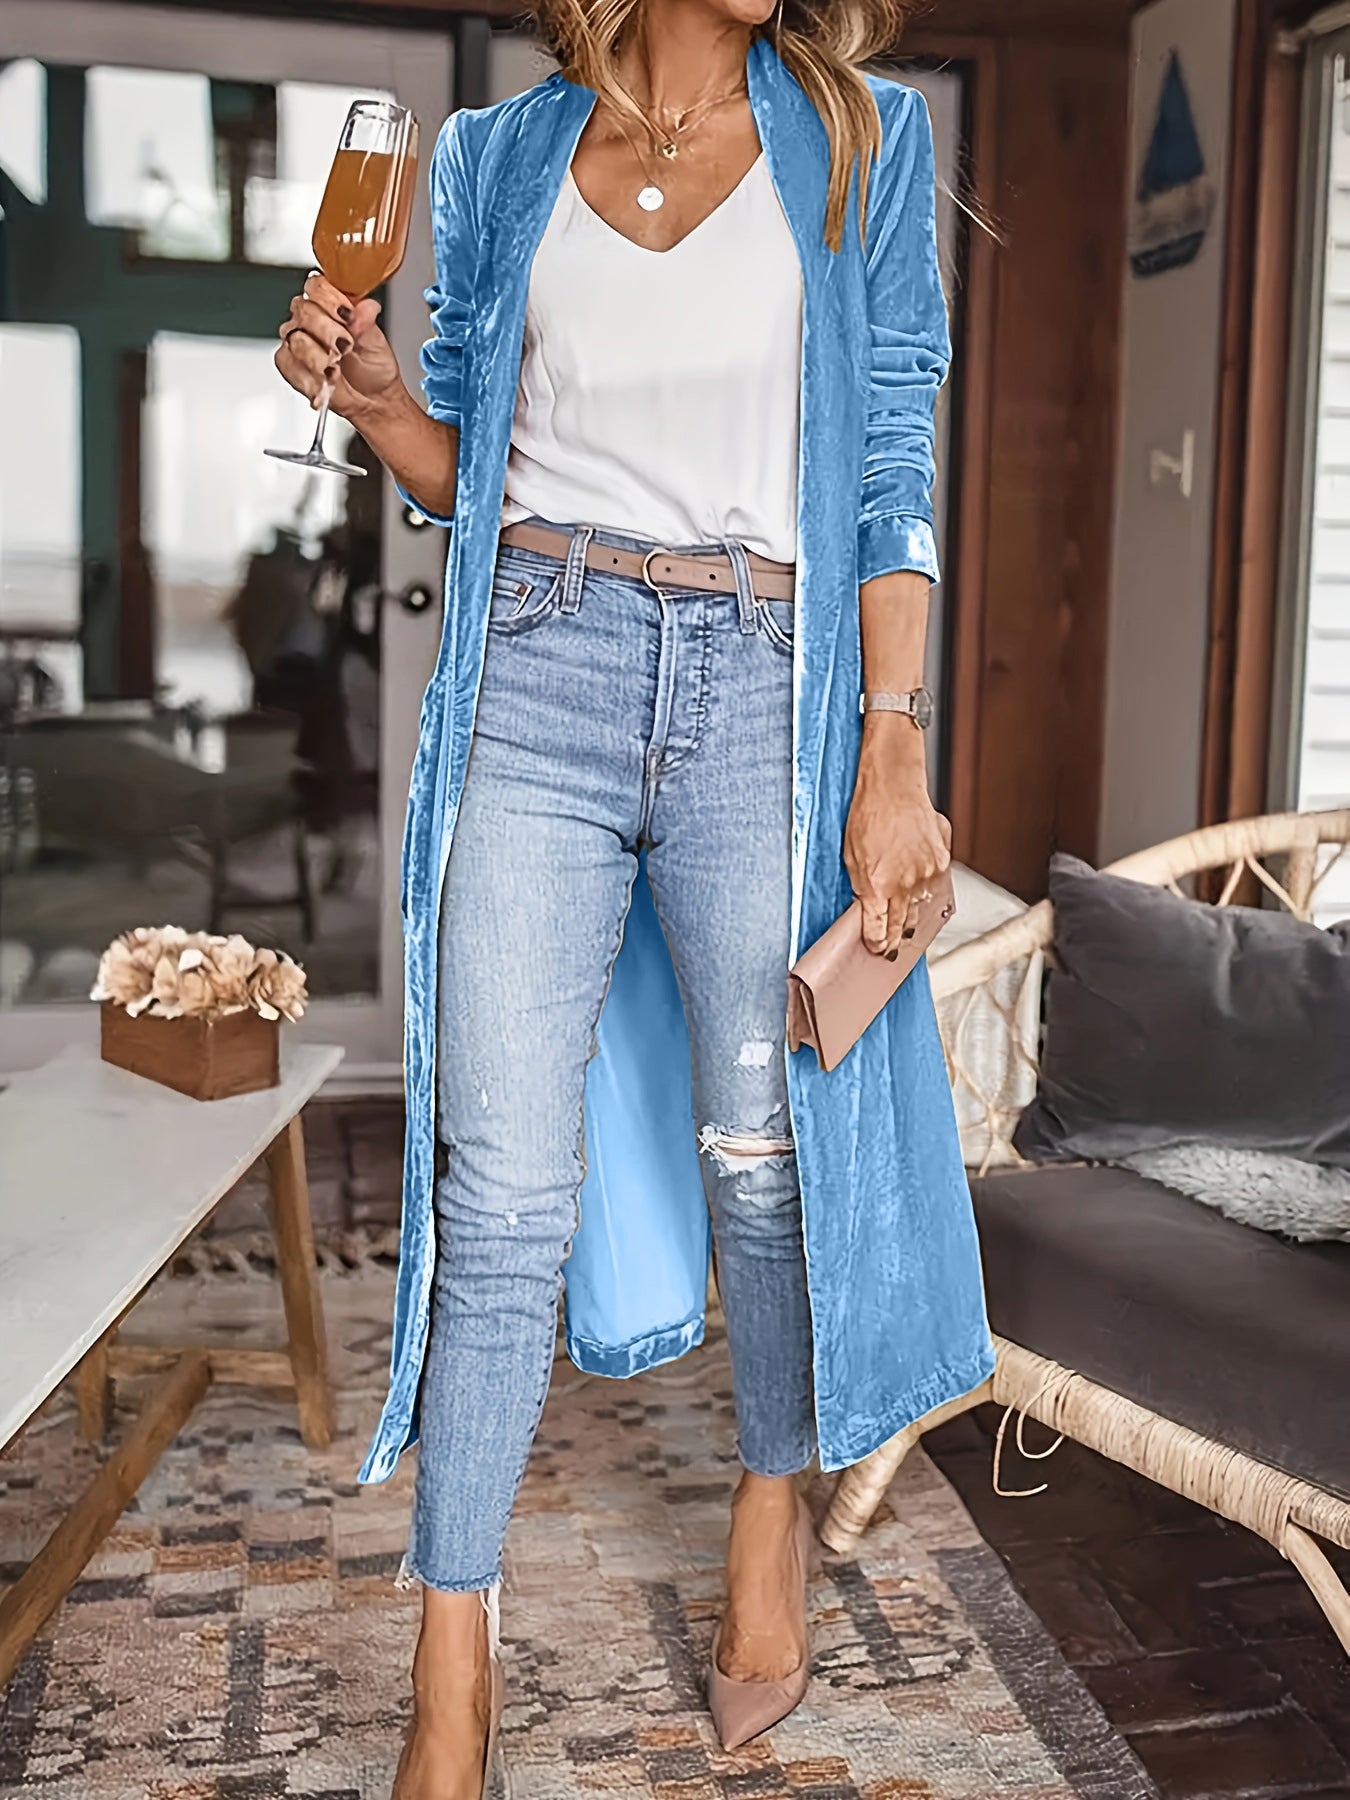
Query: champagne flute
point(361, 232)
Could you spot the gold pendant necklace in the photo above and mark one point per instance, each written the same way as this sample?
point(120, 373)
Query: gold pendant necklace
point(651, 197)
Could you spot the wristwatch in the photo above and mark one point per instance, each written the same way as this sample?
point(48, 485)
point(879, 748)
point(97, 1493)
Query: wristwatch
point(918, 704)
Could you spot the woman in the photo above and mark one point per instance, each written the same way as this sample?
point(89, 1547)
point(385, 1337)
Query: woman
point(688, 334)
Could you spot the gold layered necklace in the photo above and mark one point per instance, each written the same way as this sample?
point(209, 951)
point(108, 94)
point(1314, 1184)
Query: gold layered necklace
point(666, 138)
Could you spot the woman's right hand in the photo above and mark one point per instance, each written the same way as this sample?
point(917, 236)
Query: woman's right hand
point(331, 338)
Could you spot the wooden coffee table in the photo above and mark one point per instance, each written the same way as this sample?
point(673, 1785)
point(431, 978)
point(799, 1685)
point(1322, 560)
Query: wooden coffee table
point(103, 1176)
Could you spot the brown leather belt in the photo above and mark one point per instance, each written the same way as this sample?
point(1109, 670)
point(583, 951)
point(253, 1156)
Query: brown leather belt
point(710, 571)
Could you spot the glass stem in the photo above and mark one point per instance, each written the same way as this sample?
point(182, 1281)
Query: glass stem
point(325, 401)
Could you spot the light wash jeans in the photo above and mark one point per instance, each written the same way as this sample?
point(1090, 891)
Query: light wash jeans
point(610, 718)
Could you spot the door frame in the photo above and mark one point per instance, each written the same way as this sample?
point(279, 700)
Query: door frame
point(1302, 418)
point(1264, 225)
point(418, 65)
point(970, 473)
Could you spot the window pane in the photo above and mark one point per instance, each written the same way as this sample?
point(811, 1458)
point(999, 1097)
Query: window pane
point(190, 645)
point(23, 128)
point(1324, 750)
point(150, 161)
point(40, 519)
point(39, 476)
point(210, 502)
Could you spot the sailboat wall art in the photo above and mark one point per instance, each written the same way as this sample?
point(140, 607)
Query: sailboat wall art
point(1175, 198)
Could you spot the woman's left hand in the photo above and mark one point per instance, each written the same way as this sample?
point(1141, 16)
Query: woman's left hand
point(895, 843)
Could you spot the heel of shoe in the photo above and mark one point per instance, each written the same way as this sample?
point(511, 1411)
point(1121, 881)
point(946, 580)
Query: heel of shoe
point(742, 1710)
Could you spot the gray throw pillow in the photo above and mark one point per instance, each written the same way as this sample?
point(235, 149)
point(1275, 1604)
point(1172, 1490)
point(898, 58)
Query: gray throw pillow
point(1169, 1021)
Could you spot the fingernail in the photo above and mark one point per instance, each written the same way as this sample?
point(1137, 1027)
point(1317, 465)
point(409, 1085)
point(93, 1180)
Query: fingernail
point(891, 955)
point(345, 314)
point(344, 345)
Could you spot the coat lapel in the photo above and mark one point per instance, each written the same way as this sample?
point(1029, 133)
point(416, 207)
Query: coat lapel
point(796, 148)
point(522, 185)
point(519, 178)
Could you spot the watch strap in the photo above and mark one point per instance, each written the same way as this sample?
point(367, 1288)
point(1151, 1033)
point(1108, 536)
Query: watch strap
point(917, 704)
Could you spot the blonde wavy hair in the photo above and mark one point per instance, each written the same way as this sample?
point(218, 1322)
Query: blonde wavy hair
point(821, 42)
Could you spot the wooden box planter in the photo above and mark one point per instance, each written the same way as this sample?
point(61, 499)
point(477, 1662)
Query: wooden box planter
point(205, 1059)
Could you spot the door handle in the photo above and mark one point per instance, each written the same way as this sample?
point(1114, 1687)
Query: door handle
point(416, 597)
point(1163, 466)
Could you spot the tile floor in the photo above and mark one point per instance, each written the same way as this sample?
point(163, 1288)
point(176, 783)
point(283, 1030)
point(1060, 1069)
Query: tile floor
point(1201, 1643)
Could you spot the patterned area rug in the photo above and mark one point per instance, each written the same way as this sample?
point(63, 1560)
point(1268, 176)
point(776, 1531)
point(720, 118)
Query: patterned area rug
point(240, 1635)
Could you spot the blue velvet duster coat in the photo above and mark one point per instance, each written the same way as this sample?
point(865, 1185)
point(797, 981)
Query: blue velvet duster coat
point(896, 1297)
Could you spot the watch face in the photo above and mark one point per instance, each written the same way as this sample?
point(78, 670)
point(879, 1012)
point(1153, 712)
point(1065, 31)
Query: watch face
point(923, 708)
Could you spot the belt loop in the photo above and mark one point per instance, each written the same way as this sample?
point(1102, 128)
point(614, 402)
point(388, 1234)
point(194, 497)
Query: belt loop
point(745, 584)
point(574, 573)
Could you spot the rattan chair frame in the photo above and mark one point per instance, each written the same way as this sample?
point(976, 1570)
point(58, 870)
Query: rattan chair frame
point(1289, 1513)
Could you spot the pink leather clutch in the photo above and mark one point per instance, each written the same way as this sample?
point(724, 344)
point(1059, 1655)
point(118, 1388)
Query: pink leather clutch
point(838, 986)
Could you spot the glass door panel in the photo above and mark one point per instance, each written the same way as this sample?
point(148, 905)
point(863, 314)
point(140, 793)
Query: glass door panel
point(196, 649)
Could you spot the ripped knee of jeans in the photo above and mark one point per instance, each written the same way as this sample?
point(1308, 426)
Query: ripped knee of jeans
point(738, 1152)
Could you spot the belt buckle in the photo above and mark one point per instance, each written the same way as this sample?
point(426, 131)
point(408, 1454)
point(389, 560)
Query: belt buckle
point(646, 573)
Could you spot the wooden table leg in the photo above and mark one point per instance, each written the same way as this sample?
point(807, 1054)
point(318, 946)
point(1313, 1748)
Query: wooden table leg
point(93, 1389)
point(58, 1565)
point(294, 1230)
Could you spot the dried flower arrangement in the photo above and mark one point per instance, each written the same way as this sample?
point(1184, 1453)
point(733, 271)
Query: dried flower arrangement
point(169, 973)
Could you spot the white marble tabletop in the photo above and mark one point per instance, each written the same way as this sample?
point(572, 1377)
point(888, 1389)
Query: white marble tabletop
point(102, 1176)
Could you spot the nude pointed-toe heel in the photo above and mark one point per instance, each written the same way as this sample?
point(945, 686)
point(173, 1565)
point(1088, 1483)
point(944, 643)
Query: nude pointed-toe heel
point(741, 1710)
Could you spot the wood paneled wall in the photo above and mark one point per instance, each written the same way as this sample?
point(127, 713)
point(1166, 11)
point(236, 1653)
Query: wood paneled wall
point(1063, 21)
point(1032, 581)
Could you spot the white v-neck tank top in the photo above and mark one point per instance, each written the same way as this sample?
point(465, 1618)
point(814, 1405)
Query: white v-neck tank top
point(659, 390)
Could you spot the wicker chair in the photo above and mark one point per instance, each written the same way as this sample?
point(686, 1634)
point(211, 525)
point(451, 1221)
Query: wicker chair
point(1288, 1512)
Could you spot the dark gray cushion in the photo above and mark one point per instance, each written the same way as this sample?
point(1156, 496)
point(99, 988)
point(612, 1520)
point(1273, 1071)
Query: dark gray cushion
point(1169, 1021)
point(1238, 1334)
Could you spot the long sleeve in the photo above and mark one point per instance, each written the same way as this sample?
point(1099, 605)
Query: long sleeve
point(910, 346)
point(455, 239)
